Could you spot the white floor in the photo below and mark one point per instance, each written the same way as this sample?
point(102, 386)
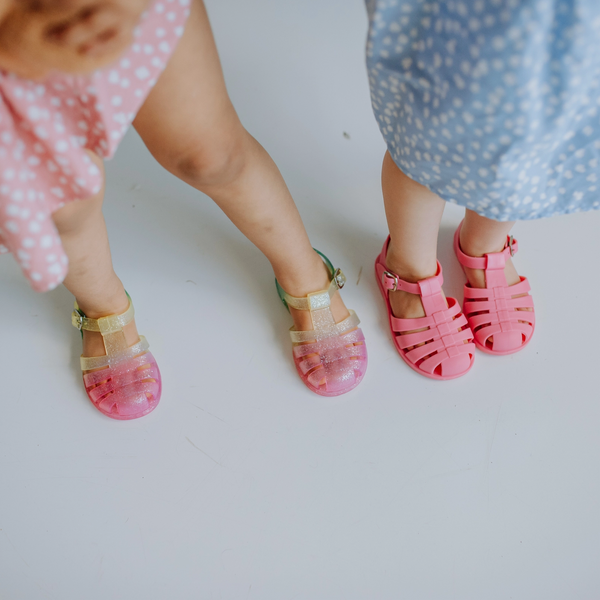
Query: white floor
point(244, 485)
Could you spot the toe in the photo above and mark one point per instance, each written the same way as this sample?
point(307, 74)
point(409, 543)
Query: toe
point(507, 341)
point(130, 392)
point(341, 376)
point(136, 400)
point(456, 365)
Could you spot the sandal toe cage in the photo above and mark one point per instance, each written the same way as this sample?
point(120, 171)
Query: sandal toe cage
point(126, 382)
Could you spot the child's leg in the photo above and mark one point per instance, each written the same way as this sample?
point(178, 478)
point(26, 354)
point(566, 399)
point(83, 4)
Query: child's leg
point(413, 214)
point(131, 386)
point(435, 346)
point(479, 236)
point(192, 129)
point(91, 278)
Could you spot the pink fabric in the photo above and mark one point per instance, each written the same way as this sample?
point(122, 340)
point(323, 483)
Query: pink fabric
point(46, 127)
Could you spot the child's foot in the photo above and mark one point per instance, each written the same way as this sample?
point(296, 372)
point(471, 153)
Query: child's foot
point(442, 347)
point(123, 391)
point(406, 305)
point(302, 318)
point(490, 312)
point(93, 343)
point(336, 363)
point(476, 277)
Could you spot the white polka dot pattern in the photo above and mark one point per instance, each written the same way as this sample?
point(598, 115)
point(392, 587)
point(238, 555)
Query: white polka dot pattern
point(492, 104)
point(46, 127)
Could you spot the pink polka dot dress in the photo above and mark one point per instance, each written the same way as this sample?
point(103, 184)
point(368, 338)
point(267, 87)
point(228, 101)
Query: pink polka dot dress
point(46, 128)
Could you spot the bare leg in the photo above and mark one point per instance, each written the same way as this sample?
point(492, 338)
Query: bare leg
point(91, 278)
point(413, 214)
point(479, 236)
point(192, 129)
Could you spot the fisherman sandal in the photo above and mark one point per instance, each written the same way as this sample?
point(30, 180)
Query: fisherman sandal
point(501, 323)
point(126, 382)
point(331, 359)
point(444, 349)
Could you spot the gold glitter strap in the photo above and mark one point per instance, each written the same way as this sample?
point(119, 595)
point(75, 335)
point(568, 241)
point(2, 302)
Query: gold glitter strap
point(345, 326)
point(104, 325)
point(317, 300)
point(99, 362)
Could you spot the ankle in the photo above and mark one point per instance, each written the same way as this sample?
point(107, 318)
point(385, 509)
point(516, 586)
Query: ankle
point(112, 300)
point(409, 265)
point(478, 247)
point(313, 277)
point(411, 272)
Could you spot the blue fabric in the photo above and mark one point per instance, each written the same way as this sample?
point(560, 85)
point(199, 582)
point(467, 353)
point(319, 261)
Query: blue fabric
point(492, 104)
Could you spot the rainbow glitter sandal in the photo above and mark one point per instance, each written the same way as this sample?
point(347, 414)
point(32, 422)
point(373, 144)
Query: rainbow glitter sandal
point(331, 359)
point(125, 383)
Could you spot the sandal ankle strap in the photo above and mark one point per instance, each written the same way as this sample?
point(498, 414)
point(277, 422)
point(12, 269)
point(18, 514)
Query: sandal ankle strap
point(104, 325)
point(316, 300)
point(492, 260)
point(429, 289)
point(393, 282)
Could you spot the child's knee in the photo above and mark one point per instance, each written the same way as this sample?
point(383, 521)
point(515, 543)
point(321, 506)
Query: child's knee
point(208, 165)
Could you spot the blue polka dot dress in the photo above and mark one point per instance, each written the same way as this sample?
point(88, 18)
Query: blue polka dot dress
point(491, 104)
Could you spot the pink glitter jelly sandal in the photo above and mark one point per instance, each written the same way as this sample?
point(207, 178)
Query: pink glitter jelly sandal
point(493, 311)
point(125, 383)
point(331, 359)
point(444, 349)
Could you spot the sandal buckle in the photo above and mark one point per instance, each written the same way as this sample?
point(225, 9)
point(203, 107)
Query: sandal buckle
point(339, 278)
point(77, 320)
point(510, 245)
point(393, 277)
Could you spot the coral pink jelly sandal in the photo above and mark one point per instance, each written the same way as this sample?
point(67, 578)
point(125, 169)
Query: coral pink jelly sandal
point(128, 383)
point(492, 311)
point(445, 350)
point(331, 359)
